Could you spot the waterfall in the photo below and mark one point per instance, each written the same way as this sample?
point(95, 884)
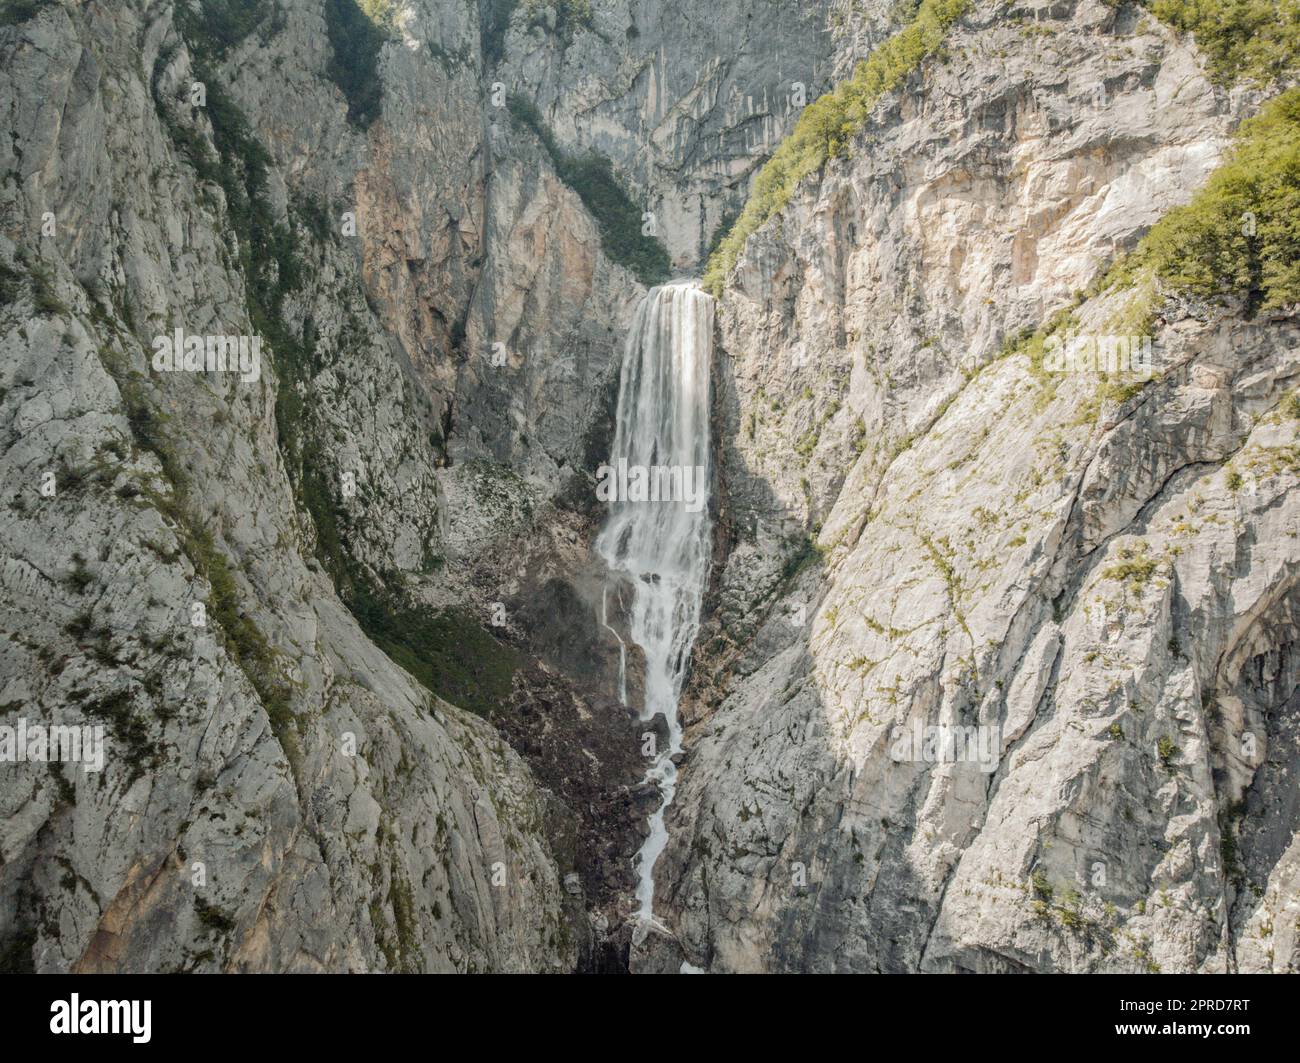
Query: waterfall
point(622, 646)
point(662, 546)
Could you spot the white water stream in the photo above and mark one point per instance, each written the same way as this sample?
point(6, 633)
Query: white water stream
point(662, 547)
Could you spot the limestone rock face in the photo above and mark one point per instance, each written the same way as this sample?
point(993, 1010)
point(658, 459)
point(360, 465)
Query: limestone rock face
point(277, 793)
point(686, 99)
point(928, 531)
point(355, 664)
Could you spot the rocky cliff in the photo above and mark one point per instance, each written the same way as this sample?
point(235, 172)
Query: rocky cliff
point(935, 539)
point(338, 614)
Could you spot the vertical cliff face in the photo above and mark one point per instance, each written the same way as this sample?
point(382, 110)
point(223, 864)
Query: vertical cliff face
point(337, 610)
point(277, 794)
point(337, 614)
point(686, 99)
point(217, 557)
point(935, 540)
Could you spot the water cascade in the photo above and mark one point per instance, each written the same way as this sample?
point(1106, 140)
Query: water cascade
point(658, 531)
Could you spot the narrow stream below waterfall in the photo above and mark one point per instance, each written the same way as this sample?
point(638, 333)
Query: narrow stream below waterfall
point(658, 531)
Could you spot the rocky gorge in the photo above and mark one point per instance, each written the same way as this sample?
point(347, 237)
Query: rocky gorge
point(995, 666)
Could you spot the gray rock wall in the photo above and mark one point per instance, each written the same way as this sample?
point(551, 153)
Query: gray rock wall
point(1101, 581)
point(917, 527)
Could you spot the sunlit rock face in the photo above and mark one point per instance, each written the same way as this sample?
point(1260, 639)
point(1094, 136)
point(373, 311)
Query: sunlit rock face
point(1025, 705)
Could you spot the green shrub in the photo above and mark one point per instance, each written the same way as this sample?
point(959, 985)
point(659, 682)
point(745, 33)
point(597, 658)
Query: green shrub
point(216, 26)
point(45, 294)
point(1256, 40)
point(357, 37)
point(380, 12)
point(1134, 567)
point(725, 224)
point(1240, 234)
point(80, 577)
point(495, 20)
point(570, 15)
point(829, 123)
point(11, 284)
point(14, 12)
point(806, 551)
point(212, 917)
point(129, 729)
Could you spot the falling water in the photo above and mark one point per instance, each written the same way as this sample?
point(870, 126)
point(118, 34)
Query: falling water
point(622, 646)
point(663, 547)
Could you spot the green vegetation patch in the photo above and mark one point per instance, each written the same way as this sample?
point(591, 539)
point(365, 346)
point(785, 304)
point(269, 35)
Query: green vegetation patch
point(494, 21)
point(592, 176)
point(216, 26)
point(239, 633)
point(357, 33)
point(212, 917)
point(44, 286)
point(16, 955)
point(1134, 567)
point(130, 731)
point(11, 285)
point(805, 552)
point(15, 12)
point(449, 653)
point(1255, 40)
point(565, 16)
point(829, 123)
point(1240, 234)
